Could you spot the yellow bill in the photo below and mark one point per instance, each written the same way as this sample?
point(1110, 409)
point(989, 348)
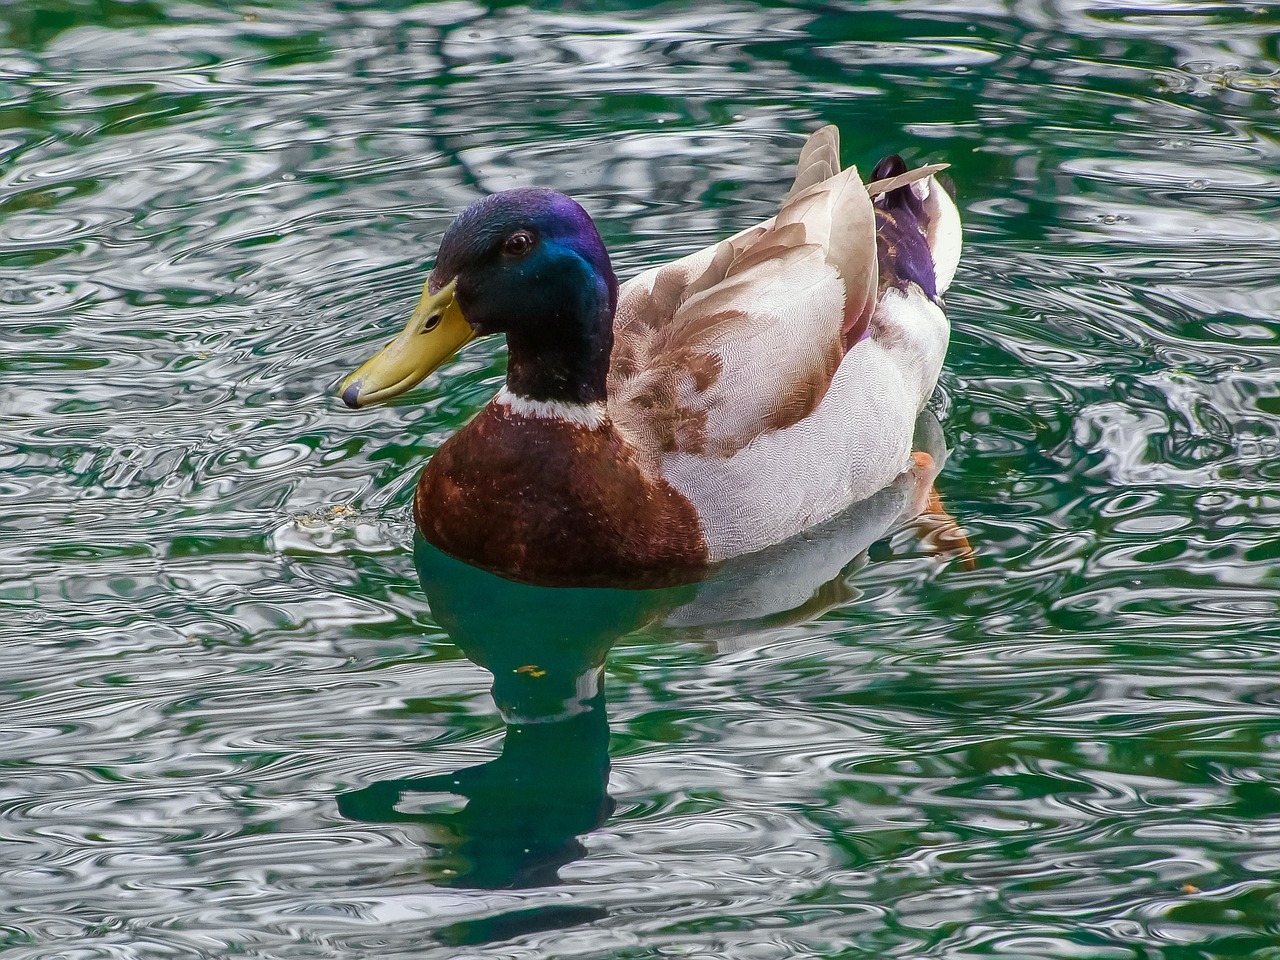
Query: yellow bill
point(435, 332)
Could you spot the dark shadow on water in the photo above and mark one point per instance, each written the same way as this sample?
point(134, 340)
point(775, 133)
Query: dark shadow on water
point(517, 923)
point(524, 811)
point(546, 650)
point(514, 821)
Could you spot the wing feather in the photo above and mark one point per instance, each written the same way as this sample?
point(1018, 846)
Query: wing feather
point(744, 337)
point(819, 160)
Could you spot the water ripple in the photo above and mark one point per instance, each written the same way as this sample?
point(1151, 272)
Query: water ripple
point(215, 632)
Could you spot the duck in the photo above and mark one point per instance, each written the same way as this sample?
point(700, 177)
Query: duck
point(705, 409)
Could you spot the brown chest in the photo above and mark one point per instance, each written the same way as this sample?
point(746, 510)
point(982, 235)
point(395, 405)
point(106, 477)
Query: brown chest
point(549, 502)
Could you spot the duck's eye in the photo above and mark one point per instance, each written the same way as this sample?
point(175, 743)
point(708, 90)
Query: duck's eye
point(518, 244)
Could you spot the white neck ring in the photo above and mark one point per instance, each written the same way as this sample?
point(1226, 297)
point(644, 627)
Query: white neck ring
point(589, 415)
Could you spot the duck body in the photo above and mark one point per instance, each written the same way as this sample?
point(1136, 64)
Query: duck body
point(705, 409)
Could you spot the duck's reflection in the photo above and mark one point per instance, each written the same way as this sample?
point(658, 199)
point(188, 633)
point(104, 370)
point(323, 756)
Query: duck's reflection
point(514, 821)
point(525, 810)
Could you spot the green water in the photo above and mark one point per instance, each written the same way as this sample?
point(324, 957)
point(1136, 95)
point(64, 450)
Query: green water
point(234, 723)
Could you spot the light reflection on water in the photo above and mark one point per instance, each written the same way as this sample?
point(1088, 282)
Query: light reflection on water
point(214, 633)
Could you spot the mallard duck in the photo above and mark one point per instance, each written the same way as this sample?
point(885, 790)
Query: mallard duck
point(705, 409)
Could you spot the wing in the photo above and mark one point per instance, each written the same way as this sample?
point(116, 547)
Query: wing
point(744, 337)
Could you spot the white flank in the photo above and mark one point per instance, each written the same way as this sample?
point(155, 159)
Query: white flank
point(854, 444)
point(589, 415)
point(944, 235)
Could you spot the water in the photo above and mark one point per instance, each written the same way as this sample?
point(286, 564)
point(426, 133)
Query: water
point(235, 724)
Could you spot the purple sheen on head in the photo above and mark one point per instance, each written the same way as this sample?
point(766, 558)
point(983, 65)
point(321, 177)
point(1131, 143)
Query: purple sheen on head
point(482, 226)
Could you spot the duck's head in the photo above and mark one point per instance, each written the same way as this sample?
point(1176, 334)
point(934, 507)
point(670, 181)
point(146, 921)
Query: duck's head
point(527, 263)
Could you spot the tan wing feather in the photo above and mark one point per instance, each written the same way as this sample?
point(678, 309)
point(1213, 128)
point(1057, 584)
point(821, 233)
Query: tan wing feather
point(819, 160)
point(745, 336)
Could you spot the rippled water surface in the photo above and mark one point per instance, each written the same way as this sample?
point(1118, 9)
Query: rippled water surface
point(234, 721)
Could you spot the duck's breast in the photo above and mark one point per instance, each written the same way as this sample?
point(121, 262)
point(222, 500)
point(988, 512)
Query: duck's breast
point(548, 501)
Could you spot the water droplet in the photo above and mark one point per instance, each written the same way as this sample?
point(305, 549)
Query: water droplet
point(1198, 184)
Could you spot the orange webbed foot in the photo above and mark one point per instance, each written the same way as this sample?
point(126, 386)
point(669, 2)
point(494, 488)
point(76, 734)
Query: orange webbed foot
point(936, 526)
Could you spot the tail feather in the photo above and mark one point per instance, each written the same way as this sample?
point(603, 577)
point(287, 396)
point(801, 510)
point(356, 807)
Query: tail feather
point(917, 227)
